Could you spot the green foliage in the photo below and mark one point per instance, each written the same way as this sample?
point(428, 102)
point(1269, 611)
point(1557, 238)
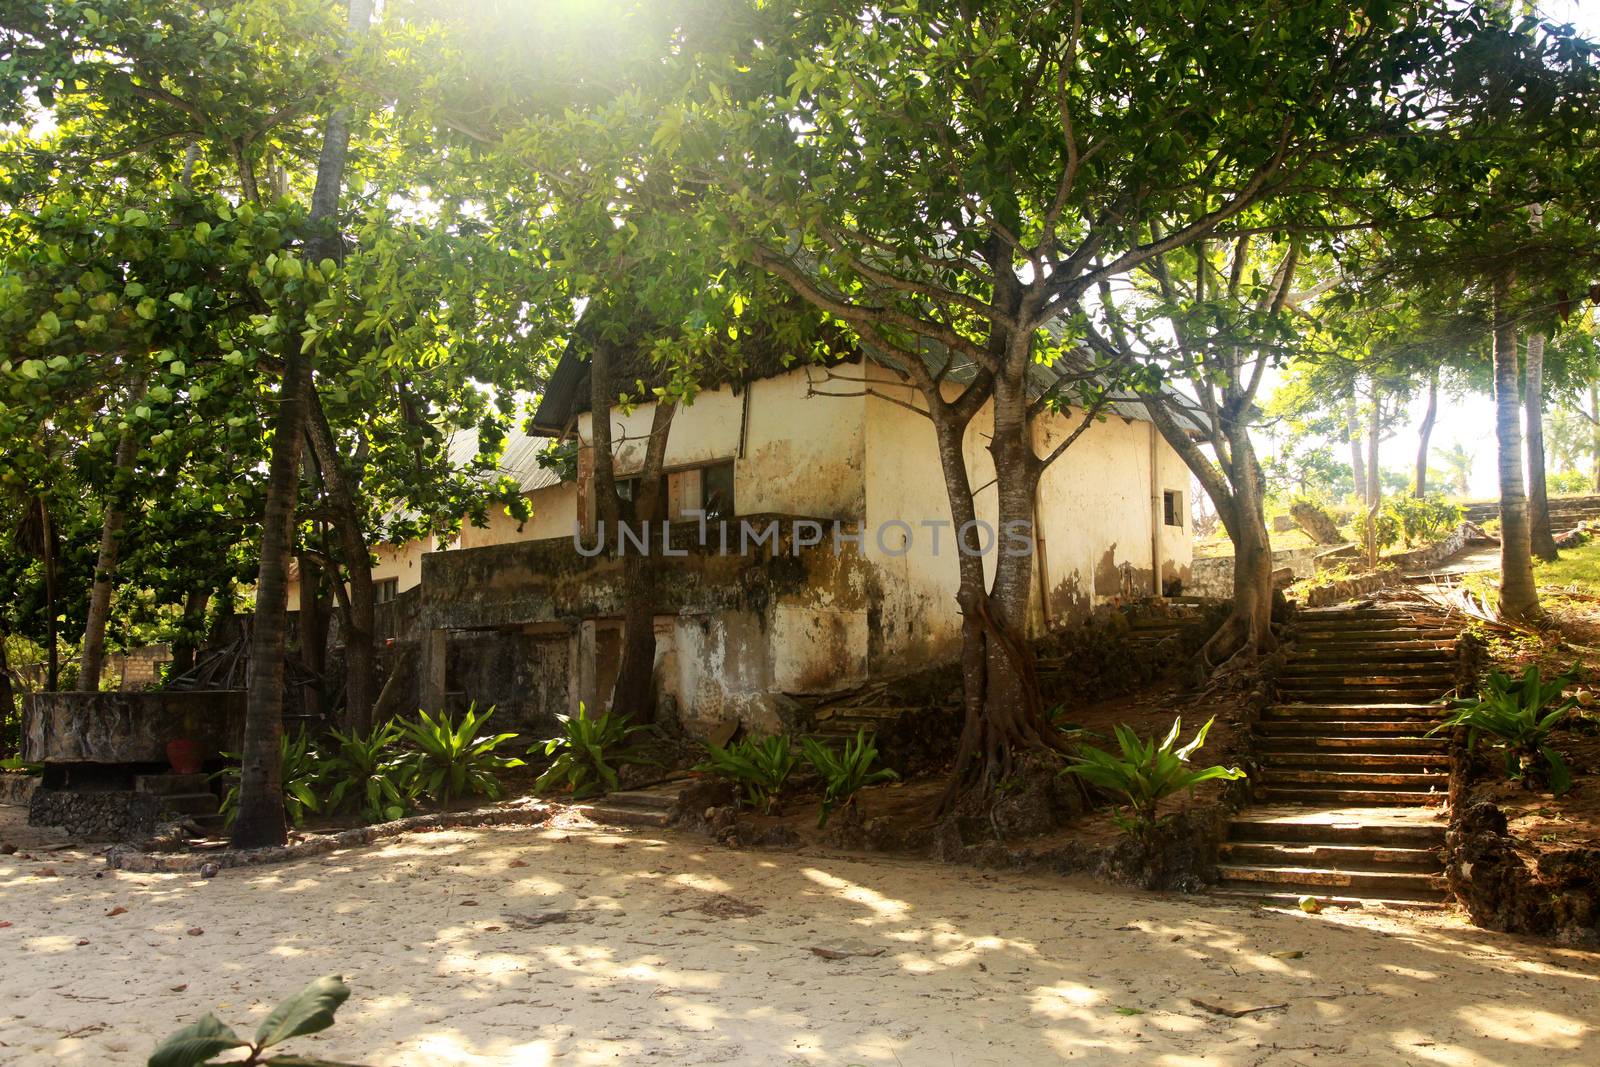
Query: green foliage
point(587, 753)
point(1413, 520)
point(371, 774)
point(844, 772)
point(761, 767)
point(309, 1011)
point(16, 765)
point(452, 759)
point(300, 772)
point(1145, 772)
point(1519, 713)
point(1569, 483)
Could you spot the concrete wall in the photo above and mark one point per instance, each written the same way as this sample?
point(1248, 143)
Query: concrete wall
point(125, 728)
point(554, 508)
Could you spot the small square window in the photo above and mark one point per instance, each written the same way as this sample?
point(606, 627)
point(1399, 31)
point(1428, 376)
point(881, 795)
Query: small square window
point(1172, 507)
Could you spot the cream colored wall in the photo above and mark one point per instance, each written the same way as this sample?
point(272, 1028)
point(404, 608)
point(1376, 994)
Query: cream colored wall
point(1096, 518)
point(402, 562)
point(803, 454)
point(554, 509)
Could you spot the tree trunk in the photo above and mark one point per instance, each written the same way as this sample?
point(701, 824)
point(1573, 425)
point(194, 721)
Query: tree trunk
point(47, 540)
point(1358, 467)
point(313, 630)
point(1519, 596)
point(360, 650)
point(1594, 408)
point(1012, 718)
point(1540, 537)
point(1425, 433)
point(105, 568)
point(9, 713)
point(188, 643)
point(634, 694)
point(1374, 480)
point(260, 820)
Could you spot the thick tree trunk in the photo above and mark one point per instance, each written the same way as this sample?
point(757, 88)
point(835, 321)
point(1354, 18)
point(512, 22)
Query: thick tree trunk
point(1519, 596)
point(1358, 467)
point(1540, 537)
point(105, 568)
point(634, 694)
point(1425, 434)
point(1246, 634)
point(260, 820)
point(360, 615)
point(1374, 480)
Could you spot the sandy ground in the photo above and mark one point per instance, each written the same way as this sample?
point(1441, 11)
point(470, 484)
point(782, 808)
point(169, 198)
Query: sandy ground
point(675, 952)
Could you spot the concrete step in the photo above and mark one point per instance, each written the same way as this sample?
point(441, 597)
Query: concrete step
point(1294, 730)
point(1332, 636)
point(1362, 695)
point(1343, 857)
point(1413, 781)
point(1273, 743)
point(1327, 797)
point(1356, 670)
point(1249, 893)
point(168, 784)
point(1371, 761)
point(190, 803)
point(1387, 711)
point(621, 814)
point(1381, 652)
point(1366, 827)
point(1391, 885)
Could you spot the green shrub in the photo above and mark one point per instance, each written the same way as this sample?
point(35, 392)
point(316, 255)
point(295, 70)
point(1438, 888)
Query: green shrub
point(846, 772)
point(1412, 520)
point(1145, 772)
point(761, 767)
point(1519, 713)
point(371, 773)
point(299, 773)
point(17, 765)
point(454, 760)
point(585, 752)
point(309, 1011)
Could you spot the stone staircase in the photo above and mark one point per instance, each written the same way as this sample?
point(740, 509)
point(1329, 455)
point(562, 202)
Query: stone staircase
point(184, 794)
point(1349, 780)
point(650, 806)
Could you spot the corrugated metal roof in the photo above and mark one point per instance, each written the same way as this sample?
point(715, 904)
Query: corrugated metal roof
point(520, 460)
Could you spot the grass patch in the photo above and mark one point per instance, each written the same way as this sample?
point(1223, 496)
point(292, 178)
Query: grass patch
point(1577, 571)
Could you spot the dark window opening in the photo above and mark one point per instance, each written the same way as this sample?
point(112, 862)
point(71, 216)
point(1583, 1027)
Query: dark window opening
point(1172, 506)
point(385, 589)
point(716, 491)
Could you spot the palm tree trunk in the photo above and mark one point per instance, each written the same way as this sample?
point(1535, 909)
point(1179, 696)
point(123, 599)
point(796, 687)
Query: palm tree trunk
point(1374, 483)
point(47, 541)
point(261, 819)
point(1541, 538)
point(1519, 596)
point(1425, 434)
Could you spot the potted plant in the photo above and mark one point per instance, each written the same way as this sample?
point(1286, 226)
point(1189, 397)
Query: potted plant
point(186, 755)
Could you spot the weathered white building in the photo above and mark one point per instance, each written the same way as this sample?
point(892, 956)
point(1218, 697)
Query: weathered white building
point(861, 584)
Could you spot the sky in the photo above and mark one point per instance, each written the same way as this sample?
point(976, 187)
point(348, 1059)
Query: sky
point(1469, 421)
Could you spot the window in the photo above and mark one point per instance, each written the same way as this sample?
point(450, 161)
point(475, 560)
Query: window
point(385, 589)
point(1172, 507)
point(706, 489)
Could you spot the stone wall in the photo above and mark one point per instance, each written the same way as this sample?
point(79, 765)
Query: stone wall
point(1212, 576)
point(128, 728)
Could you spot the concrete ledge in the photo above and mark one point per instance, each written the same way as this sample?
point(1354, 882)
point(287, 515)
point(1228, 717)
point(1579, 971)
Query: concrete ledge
point(17, 789)
point(129, 858)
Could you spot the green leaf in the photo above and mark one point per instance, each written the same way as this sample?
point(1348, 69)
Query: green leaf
point(195, 1044)
point(307, 1012)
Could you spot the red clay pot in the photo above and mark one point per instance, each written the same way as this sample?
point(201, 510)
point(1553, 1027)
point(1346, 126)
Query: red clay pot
point(186, 757)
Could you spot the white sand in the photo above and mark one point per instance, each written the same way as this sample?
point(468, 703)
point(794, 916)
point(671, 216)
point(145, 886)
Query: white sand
point(973, 967)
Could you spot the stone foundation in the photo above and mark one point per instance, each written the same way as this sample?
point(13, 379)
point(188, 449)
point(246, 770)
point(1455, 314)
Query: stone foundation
point(17, 789)
point(1559, 895)
point(97, 815)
